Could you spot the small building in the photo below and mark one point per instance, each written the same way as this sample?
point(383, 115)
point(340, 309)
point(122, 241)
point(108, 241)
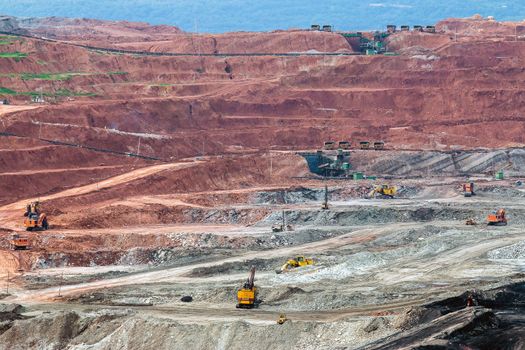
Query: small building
point(37, 99)
point(418, 28)
point(315, 27)
point(327, 28)
point(405, 28)
point(430, 29)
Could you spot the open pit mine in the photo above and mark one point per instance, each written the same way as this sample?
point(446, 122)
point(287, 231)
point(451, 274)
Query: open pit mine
point(299, 189)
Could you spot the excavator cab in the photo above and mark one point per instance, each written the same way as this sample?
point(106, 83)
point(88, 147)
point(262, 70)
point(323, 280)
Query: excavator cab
point(34, 218)
point(497, 218)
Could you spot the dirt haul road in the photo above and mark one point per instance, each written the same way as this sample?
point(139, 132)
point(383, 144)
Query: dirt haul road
point(444, 262)
point(9, 214)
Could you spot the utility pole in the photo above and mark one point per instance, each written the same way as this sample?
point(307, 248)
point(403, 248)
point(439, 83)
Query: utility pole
point(138, 148)
point(7, 283)
point(271, 165)
point(60, 286)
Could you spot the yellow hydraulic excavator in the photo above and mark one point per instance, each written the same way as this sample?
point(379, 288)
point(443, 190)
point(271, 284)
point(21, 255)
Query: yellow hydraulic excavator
point(383, 191)
point(34, 219)
point(297, 261)
point(247, 294)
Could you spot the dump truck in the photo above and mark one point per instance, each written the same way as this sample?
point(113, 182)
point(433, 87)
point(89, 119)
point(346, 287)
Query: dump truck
point(497, 218)
point(329, 145)
point(344, 145)
point(391, 28)
point(430, 29)
point(19, 242)
point(468, 189)
point(379, 145)
point(364, 145)
point(247, 294)
point(295, 262)
point(34, 218)
point(383, 191)
point(315, 27)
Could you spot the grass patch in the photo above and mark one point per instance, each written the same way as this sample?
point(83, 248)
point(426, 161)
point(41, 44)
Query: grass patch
point(6, 91)
point(58, 93)
point(47, 76)
point(16, 55)
point(117, 73)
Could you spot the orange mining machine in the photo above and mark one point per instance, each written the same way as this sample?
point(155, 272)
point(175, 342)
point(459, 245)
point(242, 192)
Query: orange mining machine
point(35, 220)
point(18, 242)
point(497, 218)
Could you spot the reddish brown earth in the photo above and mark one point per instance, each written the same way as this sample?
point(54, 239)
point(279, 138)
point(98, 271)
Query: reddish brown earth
point(458, 88)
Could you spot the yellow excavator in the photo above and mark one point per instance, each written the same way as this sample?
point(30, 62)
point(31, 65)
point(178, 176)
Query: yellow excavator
point(247, 294)
point(293, 263)
point(383, 191)
point(34, 219)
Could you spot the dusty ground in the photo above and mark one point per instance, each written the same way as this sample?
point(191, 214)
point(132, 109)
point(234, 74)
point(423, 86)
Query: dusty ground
point(166, 183)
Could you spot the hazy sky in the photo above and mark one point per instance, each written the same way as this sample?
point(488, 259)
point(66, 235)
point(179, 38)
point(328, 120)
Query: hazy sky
point(231, 15)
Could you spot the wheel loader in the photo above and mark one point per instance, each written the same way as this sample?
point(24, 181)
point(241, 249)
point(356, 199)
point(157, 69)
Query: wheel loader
point(497, 218)
point(247, 294)
point(383, 191)
point(295, 262)
point(34, 219)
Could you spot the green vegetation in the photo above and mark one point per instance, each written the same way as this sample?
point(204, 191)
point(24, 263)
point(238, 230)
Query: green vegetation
point(15, 55)
point(9, 39)
point(47, 76)
point(6, 91)
point(54, 76)
point(57, 93)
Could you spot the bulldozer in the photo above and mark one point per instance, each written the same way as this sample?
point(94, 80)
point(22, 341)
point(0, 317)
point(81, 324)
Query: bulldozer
point(18, 242)
point(468, 189)
point(383, 191)
point(247, 294)
point(282, 319)
point(34, 218)
point(497, 218)
point(295, 262)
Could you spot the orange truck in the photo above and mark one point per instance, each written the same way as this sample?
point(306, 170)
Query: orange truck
point(18, 242)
